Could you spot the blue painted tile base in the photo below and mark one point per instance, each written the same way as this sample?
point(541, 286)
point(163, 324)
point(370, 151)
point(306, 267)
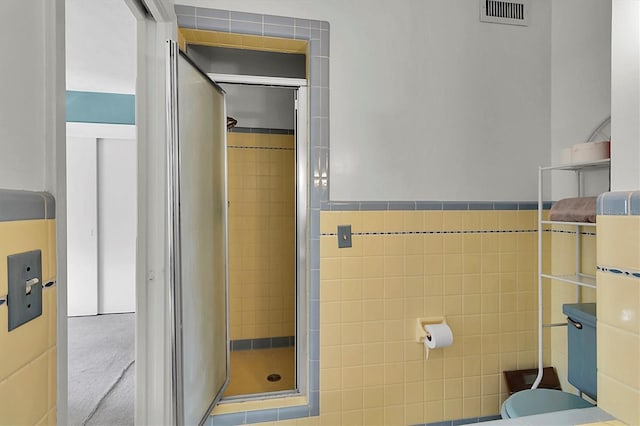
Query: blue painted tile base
point(471, 420)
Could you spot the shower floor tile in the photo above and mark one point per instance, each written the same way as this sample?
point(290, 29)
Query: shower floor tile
point(249, 371)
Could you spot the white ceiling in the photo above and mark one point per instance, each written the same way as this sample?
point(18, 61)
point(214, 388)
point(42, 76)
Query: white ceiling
point(101, 46)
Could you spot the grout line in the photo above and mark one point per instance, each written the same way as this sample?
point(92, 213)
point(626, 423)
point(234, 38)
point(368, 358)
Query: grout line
point(104, 397)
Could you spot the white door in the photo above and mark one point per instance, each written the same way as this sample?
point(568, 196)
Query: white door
point(117, 210)
point(82, 232)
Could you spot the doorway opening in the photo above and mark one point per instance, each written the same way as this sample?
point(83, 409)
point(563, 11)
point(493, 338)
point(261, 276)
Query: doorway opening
point(101, 166)
point(261, 164)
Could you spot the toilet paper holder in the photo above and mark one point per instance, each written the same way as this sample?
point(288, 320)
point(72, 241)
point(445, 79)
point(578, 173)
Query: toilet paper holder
point(421, 333)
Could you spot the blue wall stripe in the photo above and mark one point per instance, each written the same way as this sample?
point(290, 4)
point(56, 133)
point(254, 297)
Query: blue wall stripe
point(104, 108)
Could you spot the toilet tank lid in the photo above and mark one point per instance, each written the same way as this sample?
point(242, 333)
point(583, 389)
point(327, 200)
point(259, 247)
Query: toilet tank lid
point(582, 312)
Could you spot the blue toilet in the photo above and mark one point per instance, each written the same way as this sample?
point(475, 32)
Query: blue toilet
point(581, 339)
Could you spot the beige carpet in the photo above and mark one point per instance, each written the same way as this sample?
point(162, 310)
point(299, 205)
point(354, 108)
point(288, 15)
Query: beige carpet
point(101, 369)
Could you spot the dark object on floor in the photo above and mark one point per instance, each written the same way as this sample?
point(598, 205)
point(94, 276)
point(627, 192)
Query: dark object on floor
point(518, 380)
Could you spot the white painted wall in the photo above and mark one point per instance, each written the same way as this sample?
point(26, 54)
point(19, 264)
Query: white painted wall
point(580, 84)
point(101, 46)
point(260, 106)
point(625, 96)
point(428, 103)
point(22, 105)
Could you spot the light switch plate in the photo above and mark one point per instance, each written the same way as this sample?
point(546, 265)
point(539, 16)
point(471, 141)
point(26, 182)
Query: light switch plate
point(344, 236)
point(23, 305)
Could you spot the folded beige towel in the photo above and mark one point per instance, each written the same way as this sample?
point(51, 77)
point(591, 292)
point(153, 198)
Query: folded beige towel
point(582, 209)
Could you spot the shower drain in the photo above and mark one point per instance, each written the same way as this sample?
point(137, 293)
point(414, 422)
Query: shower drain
point(274, 377)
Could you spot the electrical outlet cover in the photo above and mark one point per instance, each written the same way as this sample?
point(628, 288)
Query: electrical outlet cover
point(23, 306)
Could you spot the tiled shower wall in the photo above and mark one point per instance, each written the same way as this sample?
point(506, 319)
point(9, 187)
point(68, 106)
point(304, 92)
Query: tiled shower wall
point(262, 186)
point(28, 353)
point(618, 279)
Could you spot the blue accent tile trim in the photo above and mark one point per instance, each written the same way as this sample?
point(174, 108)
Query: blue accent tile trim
point(634, 203)
point(287, 413)
point(314, 403)
point(229, 419)
point(402, 205)
point(262, 416)
point(246, 17)
point(107, 108)
point(431, 205)
point(464, 421)
point(241, 345)
point(455, 205)
point(261, 130)
point(26, 205)
point(262, 343)
point(185, 10)
point(49, 205)
point(374, 205)
point(468, 421)
point(533, 205)
point(489, 418)
point(270, 415)
point(211, 13)
point(615, 203)
point(280, 342)
point(505, 205)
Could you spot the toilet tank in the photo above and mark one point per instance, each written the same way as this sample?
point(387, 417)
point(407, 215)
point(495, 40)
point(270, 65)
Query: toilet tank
point(581, 339)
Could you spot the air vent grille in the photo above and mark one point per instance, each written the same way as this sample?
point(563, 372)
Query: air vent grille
point(505, 12)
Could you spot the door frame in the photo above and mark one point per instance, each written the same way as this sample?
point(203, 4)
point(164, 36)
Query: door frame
point(300, 85)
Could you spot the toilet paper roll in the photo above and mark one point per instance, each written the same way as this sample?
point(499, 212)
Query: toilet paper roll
point(438, 336)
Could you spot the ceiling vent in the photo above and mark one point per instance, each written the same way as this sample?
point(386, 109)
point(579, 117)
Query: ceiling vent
point(505, 12)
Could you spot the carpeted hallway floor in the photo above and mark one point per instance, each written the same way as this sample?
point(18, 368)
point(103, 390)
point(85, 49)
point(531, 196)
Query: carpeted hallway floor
point(101, 369)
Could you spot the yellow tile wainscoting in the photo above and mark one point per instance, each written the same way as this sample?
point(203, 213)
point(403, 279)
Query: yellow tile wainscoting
point(28, 355)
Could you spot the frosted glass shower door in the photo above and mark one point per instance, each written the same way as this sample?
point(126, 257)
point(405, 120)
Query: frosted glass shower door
point(198, 238)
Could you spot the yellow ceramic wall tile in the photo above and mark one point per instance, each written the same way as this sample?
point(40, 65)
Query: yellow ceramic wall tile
point(433, 220)
point(451, 220)
point(618, 302)
point(394, 414)
point(453, 408)
point(393, 245)
point(24, 394)
point(373, 221)
point(372, 417)
point(30, 341)
point(354, 219)
point(618, 353)
point(393, 395)
point(414, 413)
point(352, 399)
point(373, 245)
point(489, 220)
point(413, 221)
point(471, 220)
point(508, 219)
point(618, 244)
point(616, 398)
point(434, 411)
